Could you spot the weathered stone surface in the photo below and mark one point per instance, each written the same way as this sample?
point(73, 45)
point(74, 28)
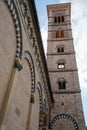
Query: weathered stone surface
point(68, 100)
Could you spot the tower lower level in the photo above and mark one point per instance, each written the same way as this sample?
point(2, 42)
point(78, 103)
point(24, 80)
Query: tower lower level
point(67, 113)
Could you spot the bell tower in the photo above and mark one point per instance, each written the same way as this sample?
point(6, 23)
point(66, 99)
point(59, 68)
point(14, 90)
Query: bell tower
point(67, 113)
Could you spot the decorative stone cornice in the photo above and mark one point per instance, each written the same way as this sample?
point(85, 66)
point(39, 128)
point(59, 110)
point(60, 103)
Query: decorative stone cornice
point(60, 39)
point(67, 91)
point(61, 53)
point(62, 70)
point(51, 24)
point(31, 21)
point(58, 7)
point(54, 30)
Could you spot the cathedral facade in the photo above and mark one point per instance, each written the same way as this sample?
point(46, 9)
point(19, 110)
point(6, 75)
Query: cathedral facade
point(36, 94)
point(25, 95)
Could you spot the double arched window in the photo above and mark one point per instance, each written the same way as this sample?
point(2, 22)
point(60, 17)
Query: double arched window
point(61, 83)
point(60, 48)
point(59, 19)
point(61, 64)
point(60, 34)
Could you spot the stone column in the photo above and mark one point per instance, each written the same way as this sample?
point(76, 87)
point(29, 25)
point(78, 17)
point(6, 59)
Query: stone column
point(29, 120)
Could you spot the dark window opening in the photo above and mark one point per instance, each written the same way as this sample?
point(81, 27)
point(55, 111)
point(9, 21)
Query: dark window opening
point(59, 20)
point(62, 104)
point(55, 19)
point(62, 84)
point(60, 49)
point(62, 18)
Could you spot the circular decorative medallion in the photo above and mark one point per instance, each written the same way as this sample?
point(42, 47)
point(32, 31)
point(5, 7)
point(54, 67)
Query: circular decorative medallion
point(64, 116)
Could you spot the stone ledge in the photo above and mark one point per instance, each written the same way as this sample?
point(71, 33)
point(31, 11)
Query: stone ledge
point(62, 70)
point(67, 91)
point(60, 39)
point(61, 53)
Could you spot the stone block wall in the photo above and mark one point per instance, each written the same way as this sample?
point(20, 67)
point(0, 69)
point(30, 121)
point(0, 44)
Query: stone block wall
point(22, 80)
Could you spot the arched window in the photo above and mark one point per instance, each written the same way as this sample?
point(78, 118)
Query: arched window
point(60, 48)
point(61, 64)
point(60, 34)
point(59, 19)
point(61, 83)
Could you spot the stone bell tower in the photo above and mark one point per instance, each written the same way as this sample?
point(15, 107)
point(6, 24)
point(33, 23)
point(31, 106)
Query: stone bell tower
point(67, 113)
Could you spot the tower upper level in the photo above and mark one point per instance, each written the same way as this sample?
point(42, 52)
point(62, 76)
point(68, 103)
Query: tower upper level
point(61, 59)
point(59, 21)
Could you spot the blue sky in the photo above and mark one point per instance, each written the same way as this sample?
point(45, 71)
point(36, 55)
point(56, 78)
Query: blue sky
point(79, 29)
